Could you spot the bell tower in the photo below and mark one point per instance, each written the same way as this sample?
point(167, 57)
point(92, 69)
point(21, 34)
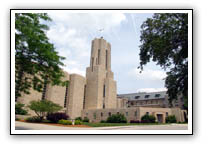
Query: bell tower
point(100, 88)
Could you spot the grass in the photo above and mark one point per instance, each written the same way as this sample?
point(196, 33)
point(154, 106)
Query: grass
point(118, 124)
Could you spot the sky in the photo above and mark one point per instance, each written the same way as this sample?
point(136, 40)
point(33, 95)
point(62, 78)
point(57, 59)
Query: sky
point(72, 33)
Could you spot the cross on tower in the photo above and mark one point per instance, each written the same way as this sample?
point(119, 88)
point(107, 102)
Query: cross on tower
point(101, 31)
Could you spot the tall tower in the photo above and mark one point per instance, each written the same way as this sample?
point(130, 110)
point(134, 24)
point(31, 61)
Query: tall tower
point(100, 90)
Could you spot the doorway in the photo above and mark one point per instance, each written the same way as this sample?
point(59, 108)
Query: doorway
point(160, 118)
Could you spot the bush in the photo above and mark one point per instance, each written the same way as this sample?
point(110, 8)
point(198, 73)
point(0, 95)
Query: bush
point(34, 119)
point(77, 122)
point(171, 119)
point(85, 119)
point(148, 119)
point(64, 122)
point(78, 118)
point(46, 121)
point(134, 121)
point(44, 107)
point(19, 109)
point(103, 121)
point(55, 117)
point(17, 119)
point(116, 118)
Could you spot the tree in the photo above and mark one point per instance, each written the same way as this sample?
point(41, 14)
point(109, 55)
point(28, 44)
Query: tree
point(36, 61)
point(44, 107)
point(164, 39)
point(19, 109)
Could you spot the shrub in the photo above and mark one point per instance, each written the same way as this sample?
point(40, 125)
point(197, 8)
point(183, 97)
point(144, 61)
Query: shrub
point(148, 119)
point(134, 121)
point(77, 122)
point(64, 122)
point(44, 107)
point(55, 117)
point(17, 119)
point(103, 121)
point(19, 109)
point(116, 118)
point(78, 118)
point(85, 119)
point(171, 119)
point(46, 121)
point(34, 119)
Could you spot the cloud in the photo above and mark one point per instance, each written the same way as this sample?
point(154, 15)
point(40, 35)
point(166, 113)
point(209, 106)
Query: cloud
point(71, 33)
point(88, 23)
point(148, 90)
point(148, 74)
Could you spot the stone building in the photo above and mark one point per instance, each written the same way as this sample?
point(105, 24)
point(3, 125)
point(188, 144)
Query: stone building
point(95, 96)
point(152, 99)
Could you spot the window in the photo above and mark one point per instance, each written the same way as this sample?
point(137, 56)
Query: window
point(137, 97)
point(84, 97)
point(118, 113)
point(146, 96)
point(101, 114)
point(92, 63)
point(98, 56)
point(147, 113)
point(103, 105)
point(94, 115)
point(104, 92)
point(66, 94)
point(166, 114)
point(135, 113)
point(44, 90)
point(126, 113)
point(157, 95)
point(110, 113)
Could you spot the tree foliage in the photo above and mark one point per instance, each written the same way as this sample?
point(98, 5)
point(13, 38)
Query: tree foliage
point(36, 60)
point(164, 39)
point(44, 107)
point(19, 109)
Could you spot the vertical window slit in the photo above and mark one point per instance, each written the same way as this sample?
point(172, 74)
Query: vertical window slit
point(44, 90)
point(66, 94)
point(84, 97)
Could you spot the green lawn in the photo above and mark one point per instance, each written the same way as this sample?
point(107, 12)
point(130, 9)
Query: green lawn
point(118, 124)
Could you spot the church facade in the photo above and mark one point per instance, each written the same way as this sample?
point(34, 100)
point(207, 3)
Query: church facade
point(95, 96)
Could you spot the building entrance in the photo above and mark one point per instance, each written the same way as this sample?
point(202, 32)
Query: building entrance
point(160, 118)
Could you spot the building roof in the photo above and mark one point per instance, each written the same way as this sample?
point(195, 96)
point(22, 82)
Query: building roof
point(143, 95)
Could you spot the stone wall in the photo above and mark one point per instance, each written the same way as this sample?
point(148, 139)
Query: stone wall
point(57, 94)
point(75, 102)
point(135, 113)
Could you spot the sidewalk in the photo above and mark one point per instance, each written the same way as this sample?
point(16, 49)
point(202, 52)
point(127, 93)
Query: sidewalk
point(34, 126)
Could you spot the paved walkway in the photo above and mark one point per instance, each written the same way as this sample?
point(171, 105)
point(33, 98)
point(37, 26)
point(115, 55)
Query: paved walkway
point(33, 126)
